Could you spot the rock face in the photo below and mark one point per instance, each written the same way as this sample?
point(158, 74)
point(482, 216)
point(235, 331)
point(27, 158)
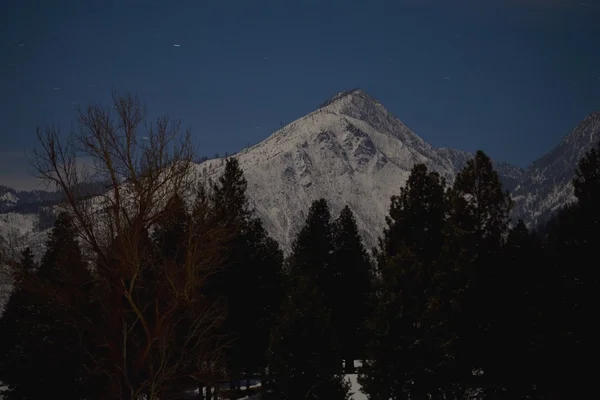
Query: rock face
point(545, 186)
point(352, 151)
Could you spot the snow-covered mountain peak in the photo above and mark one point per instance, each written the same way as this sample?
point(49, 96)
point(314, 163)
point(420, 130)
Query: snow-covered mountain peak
point(345, 94)
point(350, 151)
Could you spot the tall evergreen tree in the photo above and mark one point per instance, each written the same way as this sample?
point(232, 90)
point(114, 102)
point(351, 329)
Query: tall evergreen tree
point(304, 354)
point(570, 288)
point(250, 281)
point(51, 334)
point(18, 333)
point(407, 354)
point(64, 273)
point(416, 215)
point(265, 289)
point(478, 223)
point(303, 360)
point(353, 278)
point(171, 233)
point(516, 332)
point(586, 183)
point(313, 247)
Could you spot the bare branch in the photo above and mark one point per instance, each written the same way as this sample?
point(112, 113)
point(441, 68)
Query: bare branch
point(152, 322)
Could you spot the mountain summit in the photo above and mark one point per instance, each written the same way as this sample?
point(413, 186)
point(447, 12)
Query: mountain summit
point(350, 151)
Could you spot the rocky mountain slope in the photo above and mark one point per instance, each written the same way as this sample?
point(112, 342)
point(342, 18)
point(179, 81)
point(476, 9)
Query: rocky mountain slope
point(350, 151)
point(545, 186)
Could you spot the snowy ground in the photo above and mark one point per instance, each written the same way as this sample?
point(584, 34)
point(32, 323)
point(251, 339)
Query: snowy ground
point(352, 378)
point(354, 385)
point(354, 388)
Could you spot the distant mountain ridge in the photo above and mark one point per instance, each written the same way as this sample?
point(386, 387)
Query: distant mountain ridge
point(353, 151)
point(545, 185)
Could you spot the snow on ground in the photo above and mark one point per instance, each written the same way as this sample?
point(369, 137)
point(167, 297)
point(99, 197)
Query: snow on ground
point(355, 392)
point(352, 378)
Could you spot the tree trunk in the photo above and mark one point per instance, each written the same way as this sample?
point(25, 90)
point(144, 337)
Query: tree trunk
point(200, 390)
point(349, 366)
point(208, 392)
point(233, 389)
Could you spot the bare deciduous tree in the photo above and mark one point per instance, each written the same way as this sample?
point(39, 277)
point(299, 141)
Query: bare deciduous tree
point(151, 322)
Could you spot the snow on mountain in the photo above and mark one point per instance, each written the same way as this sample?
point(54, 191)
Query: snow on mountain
point(20, 230)
point(350, 151)
point(14, 224)
point(546, 185)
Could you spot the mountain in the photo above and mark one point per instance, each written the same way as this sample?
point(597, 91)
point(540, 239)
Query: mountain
point(350, 151)
point(545, 186)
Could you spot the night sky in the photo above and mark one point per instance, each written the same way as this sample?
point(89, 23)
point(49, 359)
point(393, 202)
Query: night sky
point(511, 77)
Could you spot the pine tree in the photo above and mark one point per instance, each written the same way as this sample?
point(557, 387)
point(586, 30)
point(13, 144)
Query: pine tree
point(353, 277)
point(250, 281)
point(517, 330)
point(18, 333)
point(304, 357)
point(407, 354)
point(265, 289)
point(171, 233)
point(302, 360)
point(570, 288)
point(586, 183)
point(478, 223)
point(313, 247)
point(51, 333)
point(63, 272)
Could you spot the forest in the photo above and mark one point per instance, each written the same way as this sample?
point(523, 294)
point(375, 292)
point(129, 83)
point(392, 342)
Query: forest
point(173, 281)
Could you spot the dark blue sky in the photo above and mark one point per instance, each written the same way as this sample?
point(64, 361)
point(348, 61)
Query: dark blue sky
point(510, 77)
